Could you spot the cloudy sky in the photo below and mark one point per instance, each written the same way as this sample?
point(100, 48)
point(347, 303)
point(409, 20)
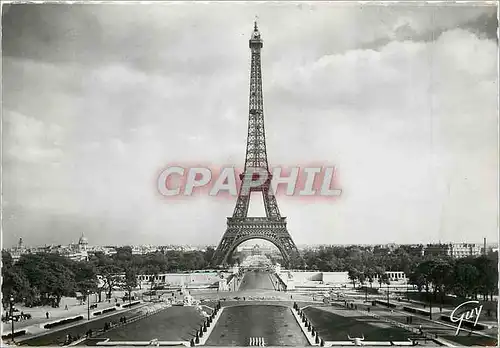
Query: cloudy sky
point(97, 99)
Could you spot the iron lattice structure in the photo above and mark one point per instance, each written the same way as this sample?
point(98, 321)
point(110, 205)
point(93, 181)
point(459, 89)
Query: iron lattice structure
point(240, 227)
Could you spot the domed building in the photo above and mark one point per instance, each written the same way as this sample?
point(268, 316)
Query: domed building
point(76, 251)
point(83, 243)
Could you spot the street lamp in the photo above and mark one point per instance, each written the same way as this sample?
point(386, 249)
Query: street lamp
point(407, 295)
point(430, 307)
point(88, 304)
point(12, 315)
point(387, 294)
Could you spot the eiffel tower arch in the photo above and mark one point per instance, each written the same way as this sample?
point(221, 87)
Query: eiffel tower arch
point(240, 227)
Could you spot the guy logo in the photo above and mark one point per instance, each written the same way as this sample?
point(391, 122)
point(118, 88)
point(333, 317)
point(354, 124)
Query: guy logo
point(467, 315)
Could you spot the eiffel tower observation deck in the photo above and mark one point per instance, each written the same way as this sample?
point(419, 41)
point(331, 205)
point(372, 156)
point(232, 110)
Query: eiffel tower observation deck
point(241, 227)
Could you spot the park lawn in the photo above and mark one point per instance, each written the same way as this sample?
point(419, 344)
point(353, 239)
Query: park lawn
point(333, 327)
point(58, 336)
point(172, 324)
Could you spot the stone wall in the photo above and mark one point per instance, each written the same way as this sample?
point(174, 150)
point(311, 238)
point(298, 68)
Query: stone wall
point(188, 279)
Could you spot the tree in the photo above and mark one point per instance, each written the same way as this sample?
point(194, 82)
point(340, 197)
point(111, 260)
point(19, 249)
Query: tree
point(85, 277)
point(423, 271)
point(111, 277)
point(15, 284)
point(6, 259)
point(130, 280)
point(369, 275)
point(381, 276)
point(50, 274)
point(440, 273)
point(208, 255)
point(417, 278)
point(487, 267)
point(296, 261)
point(465, 279)
point(353, 275)
point(153, 271)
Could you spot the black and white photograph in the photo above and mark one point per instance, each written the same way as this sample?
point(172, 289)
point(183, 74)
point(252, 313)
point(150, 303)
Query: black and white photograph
point(239, 173)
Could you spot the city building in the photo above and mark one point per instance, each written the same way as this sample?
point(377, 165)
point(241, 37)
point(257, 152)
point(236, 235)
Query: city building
point(76, 251)
point(17, 251)
point(393, 276)
point(144, 249)
point(455, 250)
point(106, 250)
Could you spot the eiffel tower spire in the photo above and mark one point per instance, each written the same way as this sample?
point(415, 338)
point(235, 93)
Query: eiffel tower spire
point(240, 227)
point(256, 156)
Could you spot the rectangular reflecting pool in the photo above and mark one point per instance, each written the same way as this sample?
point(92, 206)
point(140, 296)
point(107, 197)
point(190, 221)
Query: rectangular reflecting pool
point(249, 325)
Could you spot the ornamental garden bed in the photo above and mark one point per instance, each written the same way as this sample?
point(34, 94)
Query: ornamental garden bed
point(63, 322)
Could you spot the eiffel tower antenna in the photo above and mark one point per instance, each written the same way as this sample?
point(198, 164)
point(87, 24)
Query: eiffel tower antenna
point(240, 227)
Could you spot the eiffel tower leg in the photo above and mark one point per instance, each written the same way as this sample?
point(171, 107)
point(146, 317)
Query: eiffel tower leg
point(223, 251)
point(271, 206)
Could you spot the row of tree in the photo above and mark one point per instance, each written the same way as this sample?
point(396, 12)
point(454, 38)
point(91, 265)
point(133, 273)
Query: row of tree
point(44, 278)
point(39, 279)
point(438, 277)
point(342, 258)
point(469, 277)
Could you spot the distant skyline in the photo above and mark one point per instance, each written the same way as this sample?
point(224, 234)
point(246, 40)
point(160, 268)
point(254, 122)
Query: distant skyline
point(254, 242)
point(98, 99)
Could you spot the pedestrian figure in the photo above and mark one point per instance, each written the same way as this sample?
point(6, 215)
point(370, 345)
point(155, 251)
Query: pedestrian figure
point(47, 315)
point(66, 307)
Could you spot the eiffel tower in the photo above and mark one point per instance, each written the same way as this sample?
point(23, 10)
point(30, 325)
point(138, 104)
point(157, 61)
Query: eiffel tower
point(240, 227)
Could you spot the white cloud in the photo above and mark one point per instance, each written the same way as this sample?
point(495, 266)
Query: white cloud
point(402, 121)
point(31, 140)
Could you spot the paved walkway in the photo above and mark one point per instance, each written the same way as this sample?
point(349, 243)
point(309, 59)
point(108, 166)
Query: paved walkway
point(70, 307)
point(57, 335)
point(74, 308)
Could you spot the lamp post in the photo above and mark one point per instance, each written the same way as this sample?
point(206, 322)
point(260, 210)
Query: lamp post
point(88, 304)
point(12, 315)
point(430, 307)
point(387, 294)
point(407, 295)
